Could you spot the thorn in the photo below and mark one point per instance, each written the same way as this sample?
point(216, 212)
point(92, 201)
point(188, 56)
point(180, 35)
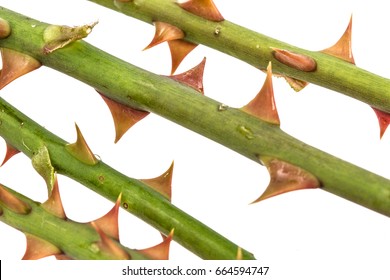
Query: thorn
point(384, 121)
point(15, 65)
point(295, 84)
point(179, 50)
point(53, 204)
point(80, 149)
point(11, 151)
point(162, 183)
point(38, 248)
point(203, 8)
point(343, 48)
point(59, 36)
point(165, 32)
point(160, 251)
point(263, 106)
point(13, 203)
point(108, 246)
point(295, 60)
point(124, 117)
point(286, 177)
point(193, 77)
point(109, 222)
point(63, 257)
point(42, 164)
point(5, 29)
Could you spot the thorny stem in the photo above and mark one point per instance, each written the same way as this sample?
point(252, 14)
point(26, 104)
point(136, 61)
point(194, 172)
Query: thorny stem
point(232, 128)
point(75, 240)
point(137, 197)
point(256, 49)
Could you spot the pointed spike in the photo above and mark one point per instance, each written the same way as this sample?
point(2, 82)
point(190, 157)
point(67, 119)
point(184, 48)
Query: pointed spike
point(203, 8)
point(343, 48)
point(38, 248)
point(107, 245)
point(263, 105)
point(286, 177)
point(80, 149)
point(5, 29)
point(124, 117)
point(59, 36)
point(11, 151)
point(179, 50)
point(160, 251)
point(193, 77)
point(295, 84)
point(295, 60)
point(162, 183)
point(13, 203)
point(63, 257)
point(15, 65)
point(53, 204)
point(109, 222)
point(42, 164)
point(384, 121)
point(165, 32)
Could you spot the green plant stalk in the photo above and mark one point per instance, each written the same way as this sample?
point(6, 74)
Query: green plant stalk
point(137, 197)
point(255, 49)
point(75, 240)
point(232, 128)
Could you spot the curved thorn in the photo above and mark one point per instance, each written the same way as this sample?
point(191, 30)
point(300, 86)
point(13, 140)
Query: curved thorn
point(80, 149)
point(160, 251)
point(263, 106)
point(123, 116)
point(11, 151)
point(179, 50)
point(42, 164)
point(109, 222)
point(343, 47)
point(162, 183)
point(108, 246)
point(13, 203)
point(203, 8)
point(384, 121)
point(295, 60)
point(15, 65)
point(286, 177)
point(54, 204)
point(38, 248)
point(165, 32)
point(193, 77)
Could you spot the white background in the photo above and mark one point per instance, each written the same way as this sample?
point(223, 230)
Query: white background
point(304, 234)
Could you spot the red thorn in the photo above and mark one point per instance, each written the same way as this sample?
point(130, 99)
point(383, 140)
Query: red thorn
point(15, 65)
point(160, 251)
point(80, 149)
point(343, 48)
point(179, 50)
point(11, 151)
point(13, 203)
point(286, 177)
point(295, 60)
point(38, 248)
point(124, 117)
point(54, 204)
point(263, 106)
point(203, 8)
point(109, 222)
point(108, 246)
point(165, 32)
point(193, 77)
point(162, 183)
point(384, 121)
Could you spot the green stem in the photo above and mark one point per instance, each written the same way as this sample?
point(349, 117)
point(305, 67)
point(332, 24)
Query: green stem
point(137, 197)
point(232, 128)
point(75, 240)
point(255, 49)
